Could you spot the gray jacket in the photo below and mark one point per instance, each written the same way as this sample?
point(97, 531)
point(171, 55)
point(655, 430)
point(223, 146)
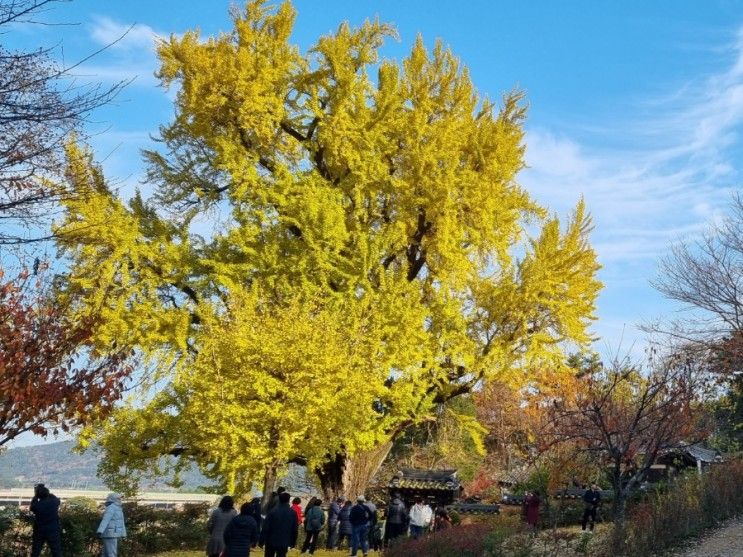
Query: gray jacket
point(112, 524)
point(216, 524)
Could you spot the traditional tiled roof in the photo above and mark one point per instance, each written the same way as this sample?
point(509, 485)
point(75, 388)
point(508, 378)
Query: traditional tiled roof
point(703, 454)
point(436, 480)
point(695, 453)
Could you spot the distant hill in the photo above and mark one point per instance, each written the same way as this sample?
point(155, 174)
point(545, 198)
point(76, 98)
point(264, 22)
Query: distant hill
point(58, 466)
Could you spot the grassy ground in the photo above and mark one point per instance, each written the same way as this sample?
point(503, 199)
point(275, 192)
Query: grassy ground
point(258, 553)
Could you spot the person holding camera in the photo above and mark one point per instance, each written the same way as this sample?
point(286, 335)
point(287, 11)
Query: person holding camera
point(47, 529)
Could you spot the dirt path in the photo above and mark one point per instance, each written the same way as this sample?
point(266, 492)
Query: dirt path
point(723, 542)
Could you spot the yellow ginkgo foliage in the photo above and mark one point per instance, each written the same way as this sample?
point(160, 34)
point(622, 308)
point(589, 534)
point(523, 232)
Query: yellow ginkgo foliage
point(330, 234)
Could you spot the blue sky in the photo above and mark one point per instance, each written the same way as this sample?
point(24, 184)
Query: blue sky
point(635, 105)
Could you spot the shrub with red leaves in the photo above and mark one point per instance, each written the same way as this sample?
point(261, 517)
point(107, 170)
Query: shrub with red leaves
point(467, 540)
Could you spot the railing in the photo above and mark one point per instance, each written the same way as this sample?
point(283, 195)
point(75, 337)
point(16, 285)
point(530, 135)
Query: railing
point(22, 497)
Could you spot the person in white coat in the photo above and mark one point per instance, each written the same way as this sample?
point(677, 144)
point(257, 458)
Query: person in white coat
point(420, 518)
point(112, 525)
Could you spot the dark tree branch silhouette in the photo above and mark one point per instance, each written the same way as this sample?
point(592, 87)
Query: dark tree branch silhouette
point(41, 105)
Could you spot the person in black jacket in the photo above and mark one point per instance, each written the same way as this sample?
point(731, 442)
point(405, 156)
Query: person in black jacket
point(397, 519)
point(273, 500)
point(255, 512)
point(360, 519)
point(334, 510)
point(241, 533)
point(45, 507)
point(592, 499)
point(280, 528)
point(345, 530)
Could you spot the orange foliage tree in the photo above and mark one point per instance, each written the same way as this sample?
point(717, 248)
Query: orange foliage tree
point(48, 381)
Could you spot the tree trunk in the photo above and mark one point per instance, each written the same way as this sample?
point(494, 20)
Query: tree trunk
point(620, 511)
point(351, 476)
point(269, 486)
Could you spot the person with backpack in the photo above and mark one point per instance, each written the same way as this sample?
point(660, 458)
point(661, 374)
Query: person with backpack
point(313, 523)
point(47, 529)
point(241, 534)
point(360, 518)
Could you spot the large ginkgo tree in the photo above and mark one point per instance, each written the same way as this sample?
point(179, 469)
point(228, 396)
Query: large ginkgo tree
point(334, 244)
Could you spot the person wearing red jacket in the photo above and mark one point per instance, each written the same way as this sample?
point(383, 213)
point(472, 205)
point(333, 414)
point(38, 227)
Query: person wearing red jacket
point(297, 507)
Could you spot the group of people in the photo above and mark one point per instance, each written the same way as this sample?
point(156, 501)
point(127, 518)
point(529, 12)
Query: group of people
point(591, 501)
point(233, 534)
point(47, 529)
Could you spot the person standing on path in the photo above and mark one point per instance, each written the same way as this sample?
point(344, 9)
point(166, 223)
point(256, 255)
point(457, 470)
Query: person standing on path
point(334, 510)
point(47, 529)
point(592, 500)
point(112, 526)
point(218, 521)
point(241, 534)
point(280, 529)
point(397, 519)
point(313, 523)
point(360, 518)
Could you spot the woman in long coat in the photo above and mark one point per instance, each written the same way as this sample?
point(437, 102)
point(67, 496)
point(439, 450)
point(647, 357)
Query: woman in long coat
point(218, 521)
point(532, 503)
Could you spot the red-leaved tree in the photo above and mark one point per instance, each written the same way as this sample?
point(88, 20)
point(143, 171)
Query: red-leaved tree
point(49, 380)
point(627, 418)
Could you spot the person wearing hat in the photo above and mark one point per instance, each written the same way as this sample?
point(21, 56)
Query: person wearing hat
point(360, 519)
point(112, 525)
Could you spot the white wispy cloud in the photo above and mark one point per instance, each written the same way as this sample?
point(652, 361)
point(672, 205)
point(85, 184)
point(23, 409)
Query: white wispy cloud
point(676, 178)
point(130, 52)
point(121, 36)
point(662, 173)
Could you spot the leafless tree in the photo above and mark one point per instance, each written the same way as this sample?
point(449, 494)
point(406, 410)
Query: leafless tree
point(706, 275)
point(41, 105)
